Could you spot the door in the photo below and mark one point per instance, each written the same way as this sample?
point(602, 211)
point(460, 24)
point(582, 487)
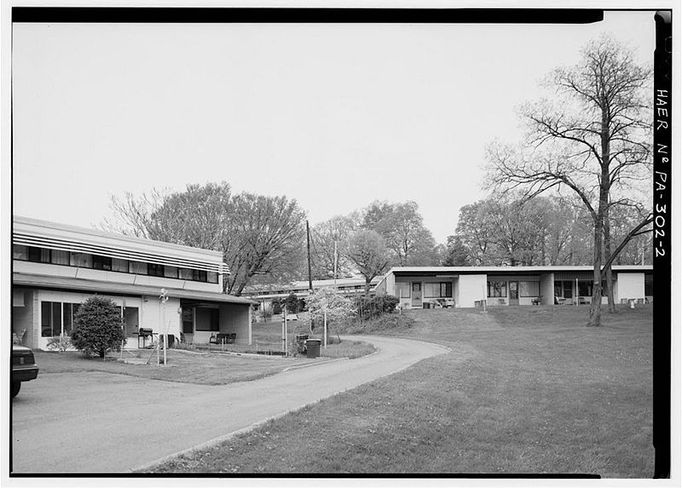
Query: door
point(417, 294)
point(513, 293)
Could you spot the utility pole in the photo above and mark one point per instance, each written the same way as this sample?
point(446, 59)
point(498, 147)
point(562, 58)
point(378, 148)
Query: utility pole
point(310, 272)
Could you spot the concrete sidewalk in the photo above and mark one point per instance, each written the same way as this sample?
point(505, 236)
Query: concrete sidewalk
point(108, 423)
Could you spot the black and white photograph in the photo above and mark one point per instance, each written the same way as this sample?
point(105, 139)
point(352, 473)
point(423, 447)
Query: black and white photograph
point(323, 240)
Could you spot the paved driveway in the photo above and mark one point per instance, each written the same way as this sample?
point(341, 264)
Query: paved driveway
point(109, 423)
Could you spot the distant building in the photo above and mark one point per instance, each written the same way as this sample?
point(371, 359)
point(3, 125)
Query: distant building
point(265, 294)
point(56, 267)
point(468, 286)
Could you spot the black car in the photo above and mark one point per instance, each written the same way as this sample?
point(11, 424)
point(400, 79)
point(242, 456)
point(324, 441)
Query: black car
point(23, 367)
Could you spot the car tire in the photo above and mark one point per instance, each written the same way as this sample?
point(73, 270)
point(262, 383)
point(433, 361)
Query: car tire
point(16, 386)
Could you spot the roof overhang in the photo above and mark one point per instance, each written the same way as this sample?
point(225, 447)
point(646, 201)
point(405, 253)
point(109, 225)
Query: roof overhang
point(92, 286)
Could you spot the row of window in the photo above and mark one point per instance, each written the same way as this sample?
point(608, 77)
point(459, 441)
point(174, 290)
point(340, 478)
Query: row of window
point(565, 288)
point(441, 289)
point(105, 263)
point(528, 289)
point(56, 318)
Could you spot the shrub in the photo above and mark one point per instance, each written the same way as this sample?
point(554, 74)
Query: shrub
point(61, 343)
point(98, 327)
point(372, 307)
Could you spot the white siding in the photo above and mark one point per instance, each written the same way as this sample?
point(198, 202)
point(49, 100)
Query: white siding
point(471, 289)
point(630, 285)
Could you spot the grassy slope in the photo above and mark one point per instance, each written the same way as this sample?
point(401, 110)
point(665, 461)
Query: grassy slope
point(524, 390)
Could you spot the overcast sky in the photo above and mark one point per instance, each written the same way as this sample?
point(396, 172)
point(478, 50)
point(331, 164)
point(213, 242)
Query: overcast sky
point(334, 116)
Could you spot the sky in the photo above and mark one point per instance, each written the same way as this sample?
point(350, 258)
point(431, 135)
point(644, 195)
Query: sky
point(332, 115)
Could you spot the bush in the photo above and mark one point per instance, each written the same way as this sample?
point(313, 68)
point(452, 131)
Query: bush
point(98, 327)
point(61, 343)
point(372, 307)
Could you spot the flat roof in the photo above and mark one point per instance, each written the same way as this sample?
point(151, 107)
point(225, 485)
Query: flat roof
point(92, 286)
point(45, 227)
point(512, 269)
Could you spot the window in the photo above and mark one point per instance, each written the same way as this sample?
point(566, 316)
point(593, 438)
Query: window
point(199, 275)
point(185, 274)
point(649, 285)
point(38, 255)
point(584, 288)
point(446, 289)
point(81, 260)
point(563, 289)
point(402, 290)
point(529, 288)
point(20, 252)
point(60, 257)
point(497, 289)
point(438, 290)
point(154, 269)
point(120, 265)
point(170, 272)
point(137, 267)
point(212, 277)
point(207, 319)
point(51, 319)
point(101, 262)
point(187, 320)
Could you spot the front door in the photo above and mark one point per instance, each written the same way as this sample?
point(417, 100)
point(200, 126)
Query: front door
point(513, 293)
point(417, 294)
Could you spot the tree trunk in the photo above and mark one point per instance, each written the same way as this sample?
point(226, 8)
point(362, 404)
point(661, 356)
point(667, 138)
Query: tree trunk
point(607, 275)
point(595, 307)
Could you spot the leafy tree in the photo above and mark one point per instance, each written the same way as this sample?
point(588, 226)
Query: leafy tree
point(367, 251)
point(455, 252)
point(260, 236)
point(98, 327)
point(294, 304)
point(337, 307)
point(592, 139)
point(402, 227)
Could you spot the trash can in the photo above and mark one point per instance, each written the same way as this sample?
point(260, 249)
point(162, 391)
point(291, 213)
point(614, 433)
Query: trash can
point(313, 347)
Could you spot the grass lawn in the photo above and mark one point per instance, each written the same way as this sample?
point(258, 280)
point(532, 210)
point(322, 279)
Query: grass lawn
point(524, 390)
point(199, 366)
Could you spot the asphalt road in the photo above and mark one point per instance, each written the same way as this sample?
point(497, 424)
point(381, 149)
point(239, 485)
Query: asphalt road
point(109, 423)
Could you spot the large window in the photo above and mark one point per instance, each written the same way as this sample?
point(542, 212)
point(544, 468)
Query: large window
point(57, 318)
point(120, 265)
point(402, 290)
point(212, 277)
point(497, 289)
point(81, 260)
point(207, 319)
point(529, 288)
point(137, 267)
point(563, 289)
point(584, 288)
point(438, 290)
point(185, 274)
point(51, 319)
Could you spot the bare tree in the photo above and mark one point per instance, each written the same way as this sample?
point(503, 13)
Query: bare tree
point(592, 139)
point(329, 241)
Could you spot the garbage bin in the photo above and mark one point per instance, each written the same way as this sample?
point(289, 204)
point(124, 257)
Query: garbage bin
point(313, 347)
